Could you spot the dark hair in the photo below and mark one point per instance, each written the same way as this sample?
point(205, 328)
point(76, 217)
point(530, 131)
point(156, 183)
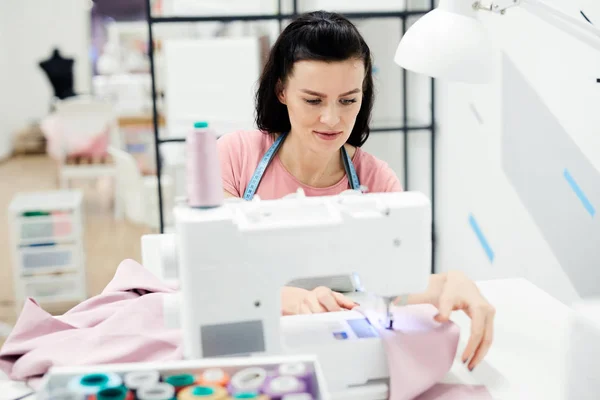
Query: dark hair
point(320, 36)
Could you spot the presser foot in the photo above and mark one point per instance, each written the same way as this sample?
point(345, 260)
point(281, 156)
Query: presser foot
point(391, 302)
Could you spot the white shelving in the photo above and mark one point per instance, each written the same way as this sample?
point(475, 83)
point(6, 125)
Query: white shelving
point(47, 247)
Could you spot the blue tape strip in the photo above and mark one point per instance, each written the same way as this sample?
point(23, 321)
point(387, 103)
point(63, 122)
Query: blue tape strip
point(579, 193)
point(484, 243)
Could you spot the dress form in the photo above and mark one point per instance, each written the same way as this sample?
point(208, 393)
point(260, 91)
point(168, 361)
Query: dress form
point(59, 71)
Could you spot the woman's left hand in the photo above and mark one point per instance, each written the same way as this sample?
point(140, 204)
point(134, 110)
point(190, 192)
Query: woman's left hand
point(454, 291)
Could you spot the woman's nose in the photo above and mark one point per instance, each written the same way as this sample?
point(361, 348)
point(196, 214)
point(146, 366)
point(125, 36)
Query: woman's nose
point(330, 116)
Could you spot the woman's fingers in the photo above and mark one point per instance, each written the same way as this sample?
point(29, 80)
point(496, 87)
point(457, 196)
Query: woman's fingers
point(478, 317)
point(304, 309)
point(487, 340)
point(313, 303)
point(344, 301)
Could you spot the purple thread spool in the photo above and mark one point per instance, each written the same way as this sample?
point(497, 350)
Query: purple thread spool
point(203, 170)
point(298, 396)
point(281, 386)
point(301, 371)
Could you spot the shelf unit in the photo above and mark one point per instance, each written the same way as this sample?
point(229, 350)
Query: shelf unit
point(47, 246)
point(405, 128)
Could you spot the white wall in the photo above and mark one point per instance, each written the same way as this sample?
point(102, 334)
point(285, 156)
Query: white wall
point(29, 30)
point(508, 153)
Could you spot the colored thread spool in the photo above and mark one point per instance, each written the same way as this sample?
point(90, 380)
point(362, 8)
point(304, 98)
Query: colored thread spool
point(157, 391)
point(204, 185)
point(280, 386)
point(203, 393)
point(248, 380)
point(299, 370)
point(254, 396)
point(137, 379)
point(181, 381)
point(298, 396)
point(214, 377)
point(92, 383)
point(116, 393)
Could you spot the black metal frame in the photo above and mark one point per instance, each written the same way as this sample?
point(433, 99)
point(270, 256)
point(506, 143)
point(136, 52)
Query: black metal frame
point(405, 128)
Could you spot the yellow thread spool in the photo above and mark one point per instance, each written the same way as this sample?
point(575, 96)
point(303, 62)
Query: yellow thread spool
point(214, 377)
point(203, 393)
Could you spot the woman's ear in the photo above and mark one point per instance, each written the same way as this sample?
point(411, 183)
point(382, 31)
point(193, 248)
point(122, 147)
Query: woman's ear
point(279, 91)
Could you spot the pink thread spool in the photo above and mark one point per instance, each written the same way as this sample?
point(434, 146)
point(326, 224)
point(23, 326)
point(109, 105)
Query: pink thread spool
point(204, 186)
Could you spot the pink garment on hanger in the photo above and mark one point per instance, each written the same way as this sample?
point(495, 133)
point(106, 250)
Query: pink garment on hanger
point(62, 140)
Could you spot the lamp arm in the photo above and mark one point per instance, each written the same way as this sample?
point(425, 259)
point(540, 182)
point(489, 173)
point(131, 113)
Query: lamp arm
point(583, 31)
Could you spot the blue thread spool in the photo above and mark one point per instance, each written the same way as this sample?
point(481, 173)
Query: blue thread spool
point(90, 384)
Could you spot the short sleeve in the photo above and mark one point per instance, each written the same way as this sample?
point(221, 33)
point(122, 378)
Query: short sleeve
point(229, 150)
point(390, 180)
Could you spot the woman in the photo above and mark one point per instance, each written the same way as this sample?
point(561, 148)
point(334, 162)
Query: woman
point(313, 107)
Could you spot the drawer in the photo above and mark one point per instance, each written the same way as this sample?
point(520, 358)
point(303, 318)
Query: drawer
point(53, 288)
point(45, 228)
point(49, 258)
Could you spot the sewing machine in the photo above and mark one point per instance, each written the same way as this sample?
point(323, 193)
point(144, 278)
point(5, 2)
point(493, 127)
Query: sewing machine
point(232, 262)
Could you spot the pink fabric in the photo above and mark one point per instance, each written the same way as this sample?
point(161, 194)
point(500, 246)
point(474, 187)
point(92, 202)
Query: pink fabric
point(447, 391)
point(122, 324)
point(240, 152)
point(420, 350)
point(125, 324)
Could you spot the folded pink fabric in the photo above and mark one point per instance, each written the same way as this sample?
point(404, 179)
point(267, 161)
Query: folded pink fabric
point(122, 324)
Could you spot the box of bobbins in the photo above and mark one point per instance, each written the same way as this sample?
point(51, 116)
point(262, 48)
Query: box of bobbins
point(260, 378)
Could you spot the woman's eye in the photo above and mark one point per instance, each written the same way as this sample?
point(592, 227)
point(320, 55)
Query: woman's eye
point(313, 101)
point(347, 102)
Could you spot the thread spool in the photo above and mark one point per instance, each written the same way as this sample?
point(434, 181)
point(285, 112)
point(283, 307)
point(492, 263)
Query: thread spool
point(181, 381)
point(280, 386)
point(135, 380)
point(89, 384)
point(214, 377)
point(298, 396)
point(156, 391)
point(299, 370)
point(254, 396)
point(116, 393)
point(248, 380)
point(203, 393)
point(203, 170)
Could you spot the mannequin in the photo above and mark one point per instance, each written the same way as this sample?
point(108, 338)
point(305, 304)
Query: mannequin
point(59, 71)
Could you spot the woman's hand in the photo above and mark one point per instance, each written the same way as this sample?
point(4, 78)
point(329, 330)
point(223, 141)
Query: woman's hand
point(454, 291)
point(319, 300)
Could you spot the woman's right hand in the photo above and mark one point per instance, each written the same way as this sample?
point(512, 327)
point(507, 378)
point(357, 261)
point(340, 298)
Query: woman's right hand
point(319, 300)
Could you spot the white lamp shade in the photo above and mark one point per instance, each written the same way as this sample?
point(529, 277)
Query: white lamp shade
point(448, 43)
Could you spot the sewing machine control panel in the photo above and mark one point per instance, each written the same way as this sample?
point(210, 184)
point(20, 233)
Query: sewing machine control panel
point(320, 329)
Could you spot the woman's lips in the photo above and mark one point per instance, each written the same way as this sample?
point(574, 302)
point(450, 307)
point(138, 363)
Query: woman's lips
point(327, 135)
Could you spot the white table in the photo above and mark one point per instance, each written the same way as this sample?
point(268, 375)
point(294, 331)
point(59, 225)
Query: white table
point(527, 357)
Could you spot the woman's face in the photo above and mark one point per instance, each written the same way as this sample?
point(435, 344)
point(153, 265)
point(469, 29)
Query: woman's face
point(323, 100)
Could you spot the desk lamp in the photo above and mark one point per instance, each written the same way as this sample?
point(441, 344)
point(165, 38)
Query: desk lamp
point(451, 43)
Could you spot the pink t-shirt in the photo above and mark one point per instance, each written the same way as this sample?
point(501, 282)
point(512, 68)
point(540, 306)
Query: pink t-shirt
point(240, 153)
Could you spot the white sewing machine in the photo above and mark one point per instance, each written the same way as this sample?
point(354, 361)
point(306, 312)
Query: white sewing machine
point(234, 260)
